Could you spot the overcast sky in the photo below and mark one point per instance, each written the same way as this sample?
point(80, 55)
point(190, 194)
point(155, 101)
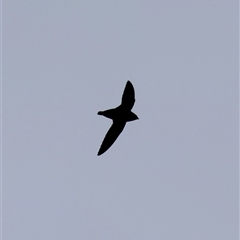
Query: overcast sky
point(173, 174)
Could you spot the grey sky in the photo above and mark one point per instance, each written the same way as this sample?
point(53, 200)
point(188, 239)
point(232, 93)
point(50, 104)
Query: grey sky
point(171, 175)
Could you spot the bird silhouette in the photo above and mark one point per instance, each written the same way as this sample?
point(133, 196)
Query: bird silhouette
point(120, 116)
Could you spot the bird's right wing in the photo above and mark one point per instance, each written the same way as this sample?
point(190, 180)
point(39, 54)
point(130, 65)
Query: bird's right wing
point(128, 97)
point(111, 136)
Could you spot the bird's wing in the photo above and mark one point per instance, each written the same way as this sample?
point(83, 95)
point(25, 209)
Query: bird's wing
point(111, 136)
point(128, 97)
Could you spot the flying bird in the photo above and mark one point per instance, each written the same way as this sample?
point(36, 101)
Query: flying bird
point(120, 116)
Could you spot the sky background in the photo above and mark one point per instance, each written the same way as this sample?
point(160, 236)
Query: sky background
point(171, 175)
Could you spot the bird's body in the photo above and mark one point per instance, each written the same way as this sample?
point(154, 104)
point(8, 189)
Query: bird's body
point(120, 116)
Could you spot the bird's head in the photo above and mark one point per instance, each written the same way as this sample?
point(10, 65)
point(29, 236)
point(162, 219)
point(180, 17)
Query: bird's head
point(132, 116)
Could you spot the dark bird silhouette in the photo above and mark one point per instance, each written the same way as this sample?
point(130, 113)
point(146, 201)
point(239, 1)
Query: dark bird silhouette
point(120, 116)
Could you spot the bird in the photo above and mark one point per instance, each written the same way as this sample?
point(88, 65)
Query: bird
point(120, 116)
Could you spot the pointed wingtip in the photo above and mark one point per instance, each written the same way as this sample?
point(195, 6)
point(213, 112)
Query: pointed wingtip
point(99, 153)
point(129, 85)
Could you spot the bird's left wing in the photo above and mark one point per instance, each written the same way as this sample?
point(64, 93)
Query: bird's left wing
point(111, 136)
